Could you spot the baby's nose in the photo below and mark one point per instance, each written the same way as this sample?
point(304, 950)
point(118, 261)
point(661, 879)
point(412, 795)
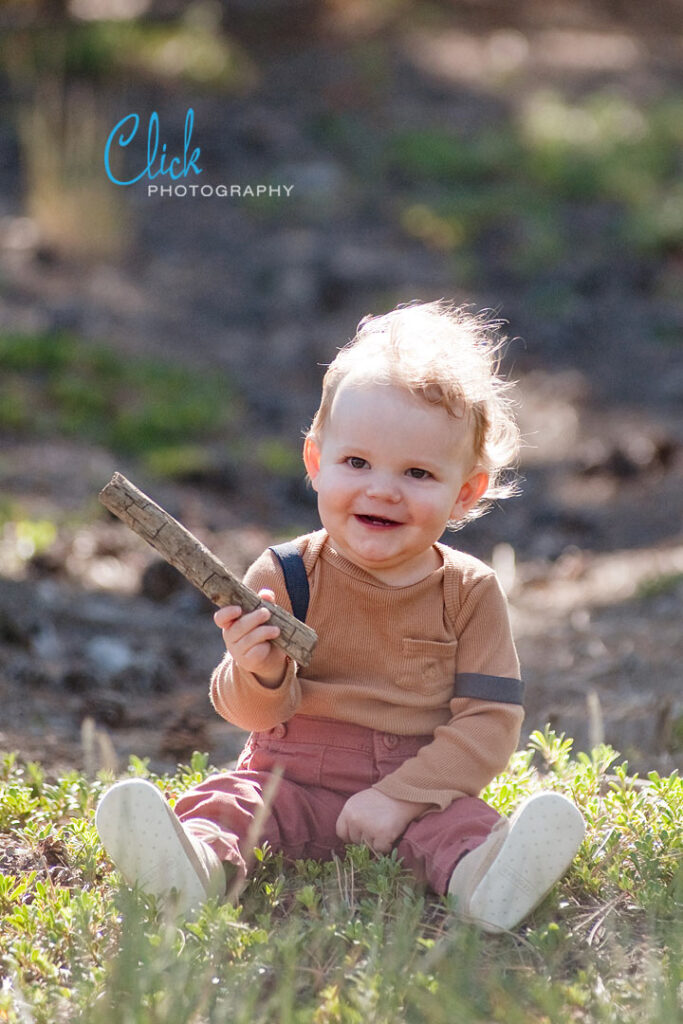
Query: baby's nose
point(383, 486)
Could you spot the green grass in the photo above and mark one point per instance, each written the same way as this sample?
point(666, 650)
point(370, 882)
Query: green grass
point(277, 458)
point(347, 941)
point(191, 50)
point(57, 385)
point(527, 177)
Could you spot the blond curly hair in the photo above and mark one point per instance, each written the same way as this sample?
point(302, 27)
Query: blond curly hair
point(445, 355)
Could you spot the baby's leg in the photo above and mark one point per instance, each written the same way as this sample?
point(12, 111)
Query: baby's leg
point(152, 849)
point(248, 808)
point(431, 846)
point(498, 870)
point(205, 846)
point(498, 884)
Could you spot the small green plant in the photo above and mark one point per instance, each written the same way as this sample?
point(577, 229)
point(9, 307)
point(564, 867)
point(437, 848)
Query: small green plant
point(446, 158)
point(654, 586)
point(604, 146)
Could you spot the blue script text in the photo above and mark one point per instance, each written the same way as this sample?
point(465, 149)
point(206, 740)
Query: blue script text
point(174, 168)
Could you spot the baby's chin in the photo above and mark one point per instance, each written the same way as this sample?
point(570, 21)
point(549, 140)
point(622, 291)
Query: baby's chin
point(395, 568)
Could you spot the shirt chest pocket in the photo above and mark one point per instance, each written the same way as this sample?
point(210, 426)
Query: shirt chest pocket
point(428, 666)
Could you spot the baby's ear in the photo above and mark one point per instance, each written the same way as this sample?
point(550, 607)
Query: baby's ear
point(311, 459)
point(470, 493)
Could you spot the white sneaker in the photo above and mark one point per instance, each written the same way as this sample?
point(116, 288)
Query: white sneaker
point(150, 847)
point(498, 884)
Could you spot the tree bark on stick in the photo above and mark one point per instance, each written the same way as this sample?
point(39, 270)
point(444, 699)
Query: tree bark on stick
point(185, 552)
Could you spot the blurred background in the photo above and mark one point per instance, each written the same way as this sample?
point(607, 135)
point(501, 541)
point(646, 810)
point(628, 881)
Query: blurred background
point(526, 158)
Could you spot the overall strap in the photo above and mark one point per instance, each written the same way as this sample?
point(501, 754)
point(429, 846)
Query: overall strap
point(296, 579)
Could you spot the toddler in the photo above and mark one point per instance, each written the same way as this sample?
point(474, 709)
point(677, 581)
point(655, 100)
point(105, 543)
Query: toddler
point(412, 702)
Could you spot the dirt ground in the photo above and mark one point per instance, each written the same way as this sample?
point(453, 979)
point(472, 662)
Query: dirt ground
point(103, 653)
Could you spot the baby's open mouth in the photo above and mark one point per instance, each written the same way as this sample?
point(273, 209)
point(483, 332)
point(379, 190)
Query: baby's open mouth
point(377, 521)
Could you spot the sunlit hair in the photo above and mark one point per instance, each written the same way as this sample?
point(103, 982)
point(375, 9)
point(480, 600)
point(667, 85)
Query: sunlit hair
point(446, 356)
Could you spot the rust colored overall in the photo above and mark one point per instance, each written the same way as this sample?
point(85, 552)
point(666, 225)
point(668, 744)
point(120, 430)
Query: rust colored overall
point(323, 763)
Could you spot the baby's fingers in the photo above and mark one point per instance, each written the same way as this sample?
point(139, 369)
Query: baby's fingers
point(225, 617)
point(255, 646)
point(248, 632)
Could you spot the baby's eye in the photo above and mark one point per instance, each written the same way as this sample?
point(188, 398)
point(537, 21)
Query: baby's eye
point(418, 474)
point(356, 462)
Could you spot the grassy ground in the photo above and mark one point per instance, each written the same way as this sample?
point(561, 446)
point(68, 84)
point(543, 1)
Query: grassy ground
point(55, 384)
point(349, 941)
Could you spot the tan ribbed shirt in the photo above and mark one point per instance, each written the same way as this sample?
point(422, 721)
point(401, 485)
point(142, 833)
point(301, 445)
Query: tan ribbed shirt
point(393, 659)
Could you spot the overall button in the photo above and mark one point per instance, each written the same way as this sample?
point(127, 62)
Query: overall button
point(390, 740)
point(279, 731)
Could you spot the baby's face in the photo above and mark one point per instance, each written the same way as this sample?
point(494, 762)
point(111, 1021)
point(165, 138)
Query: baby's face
point(390, 472)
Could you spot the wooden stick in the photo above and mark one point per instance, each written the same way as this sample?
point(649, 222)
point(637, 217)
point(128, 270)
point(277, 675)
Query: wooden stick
point(182, 550)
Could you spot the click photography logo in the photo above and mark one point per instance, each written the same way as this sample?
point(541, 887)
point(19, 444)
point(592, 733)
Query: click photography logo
point(164, 174)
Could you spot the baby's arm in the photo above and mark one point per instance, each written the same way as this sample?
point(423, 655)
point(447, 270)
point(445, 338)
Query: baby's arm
point(256, 685)
point(483, 732)
point(246, 639)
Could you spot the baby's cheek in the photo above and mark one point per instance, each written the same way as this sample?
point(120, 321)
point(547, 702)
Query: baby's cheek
point(334, 486)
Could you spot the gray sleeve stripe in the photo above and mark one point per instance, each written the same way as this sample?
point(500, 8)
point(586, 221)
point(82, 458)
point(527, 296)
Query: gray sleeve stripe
point(498, 688)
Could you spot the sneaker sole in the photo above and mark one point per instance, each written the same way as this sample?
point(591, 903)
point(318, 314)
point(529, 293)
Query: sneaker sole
point(544, 837)
point(147, 843)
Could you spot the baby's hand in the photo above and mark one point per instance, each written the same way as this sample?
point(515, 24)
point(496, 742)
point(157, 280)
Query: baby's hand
point(375, 819)
point(247, 639)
